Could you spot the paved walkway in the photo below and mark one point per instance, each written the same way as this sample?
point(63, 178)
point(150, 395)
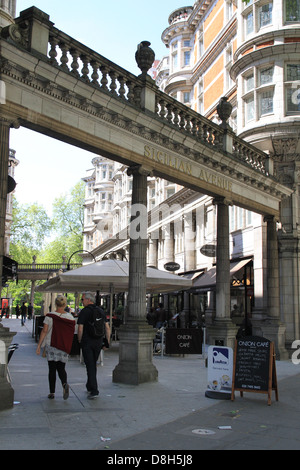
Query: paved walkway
point(171, 414)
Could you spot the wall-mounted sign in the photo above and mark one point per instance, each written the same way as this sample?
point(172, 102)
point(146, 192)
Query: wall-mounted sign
point(183, 341)
point(11, 184)
point(208, 250)
point(172, 266)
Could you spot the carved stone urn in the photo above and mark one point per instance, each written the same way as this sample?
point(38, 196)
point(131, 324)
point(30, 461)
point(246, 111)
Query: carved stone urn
point(224, 109)
point(144, 57)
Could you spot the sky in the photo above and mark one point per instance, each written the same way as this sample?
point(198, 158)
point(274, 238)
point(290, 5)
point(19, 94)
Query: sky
point(49, 168)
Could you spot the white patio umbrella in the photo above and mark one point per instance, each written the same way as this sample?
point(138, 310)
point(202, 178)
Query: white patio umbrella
point(112, 276)
point(103, 275)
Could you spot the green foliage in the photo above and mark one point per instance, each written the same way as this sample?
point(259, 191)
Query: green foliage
point(30, 225)
point(35, 234)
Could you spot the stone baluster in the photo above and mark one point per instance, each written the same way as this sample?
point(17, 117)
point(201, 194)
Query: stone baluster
point(74, 65)
point(85, 68)
point(95, 73)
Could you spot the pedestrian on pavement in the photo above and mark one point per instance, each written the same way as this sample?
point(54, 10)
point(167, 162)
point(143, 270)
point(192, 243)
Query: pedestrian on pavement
point(17, 311)
point(57, 337)
point(30, 311)
point(161, 316)
point(151, 317)
point(91, 346)
point(23, 313)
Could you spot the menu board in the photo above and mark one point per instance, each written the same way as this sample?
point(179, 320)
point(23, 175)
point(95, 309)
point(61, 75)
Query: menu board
point(254, 367)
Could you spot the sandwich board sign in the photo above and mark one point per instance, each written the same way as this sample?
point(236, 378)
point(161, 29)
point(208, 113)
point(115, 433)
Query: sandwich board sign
point(254, 367)
point(219, 372)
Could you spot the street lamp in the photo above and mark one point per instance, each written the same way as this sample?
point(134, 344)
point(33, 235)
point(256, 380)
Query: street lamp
point(79, 251)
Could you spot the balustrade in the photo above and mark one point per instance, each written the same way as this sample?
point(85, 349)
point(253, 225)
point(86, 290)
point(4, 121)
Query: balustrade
point(92, 68)
point(249, 155)
point(45, 267)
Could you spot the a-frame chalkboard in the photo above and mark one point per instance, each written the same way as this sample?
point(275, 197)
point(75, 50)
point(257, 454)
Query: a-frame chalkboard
point(254, 367)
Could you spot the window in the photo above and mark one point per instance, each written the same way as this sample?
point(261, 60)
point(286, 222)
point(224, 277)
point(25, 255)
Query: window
point(187, 58)
point(229, 9)
point(257, 16)
point(265, 15)
point(293, 72)
point(258, 91)
point(239, 218)
point(249, 109)
point(266, 76)
point(292, 11)
point(228, 58)
point(175, 61)
point(186, 97)
point(200, 96)
point(249, 83)
point(266, 103)
point(249, 23)
point(292, 88)
point(201, 42)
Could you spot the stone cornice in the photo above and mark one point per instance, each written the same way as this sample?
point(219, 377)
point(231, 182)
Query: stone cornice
point(268, 52)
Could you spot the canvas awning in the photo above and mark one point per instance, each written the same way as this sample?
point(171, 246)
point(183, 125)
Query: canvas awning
point(209, 279)
point(112, 274)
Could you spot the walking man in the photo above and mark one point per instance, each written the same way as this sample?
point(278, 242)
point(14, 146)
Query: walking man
point(23, 313)
point(91, 346)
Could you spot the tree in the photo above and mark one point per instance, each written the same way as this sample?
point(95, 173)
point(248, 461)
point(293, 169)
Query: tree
point(68, 223)
point(30, 227)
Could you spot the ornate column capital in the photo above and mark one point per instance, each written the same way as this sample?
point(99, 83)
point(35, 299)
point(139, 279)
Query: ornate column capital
point(139, 170)
point(218, 200)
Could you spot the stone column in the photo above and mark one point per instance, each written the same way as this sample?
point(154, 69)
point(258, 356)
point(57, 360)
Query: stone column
point(223, 262)
point(273, 329)
point(6, 391)
point(4, 154)
point(136, 337)
point(152, 257)
point(223, 331)
point(167, 233)
point(189, 241)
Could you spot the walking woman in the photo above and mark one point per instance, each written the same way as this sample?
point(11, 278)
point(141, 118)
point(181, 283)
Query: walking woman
point(57, 337)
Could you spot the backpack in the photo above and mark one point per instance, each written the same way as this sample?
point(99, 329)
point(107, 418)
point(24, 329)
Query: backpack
point(96, 323)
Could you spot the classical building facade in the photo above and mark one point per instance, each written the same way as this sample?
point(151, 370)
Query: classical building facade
point(247, 52)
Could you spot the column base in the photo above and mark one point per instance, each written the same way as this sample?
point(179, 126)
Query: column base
point(135, 355)
point(274, 331)
point(6, 390)
point(7, 395)
point(222, 333)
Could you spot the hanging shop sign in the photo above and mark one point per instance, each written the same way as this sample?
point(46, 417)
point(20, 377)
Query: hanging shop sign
point(172, 266)
point(208, 250)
